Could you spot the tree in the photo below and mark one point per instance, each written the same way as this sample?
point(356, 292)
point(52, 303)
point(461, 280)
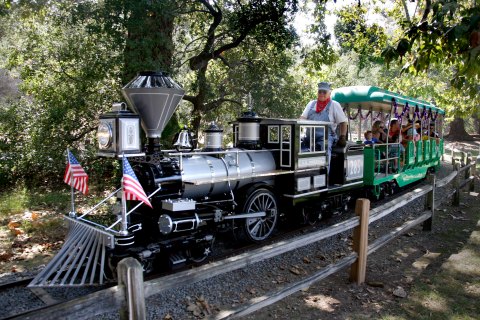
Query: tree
point(72, 58)
point(320, 53)
point(68, 78)
point(445, 32)
point(354, 34)
point(142, 31)
point(229, 25)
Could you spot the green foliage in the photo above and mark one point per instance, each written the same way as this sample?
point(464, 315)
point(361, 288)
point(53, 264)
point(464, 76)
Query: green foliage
point(140, 32)
point(354, 34)
point(68, 78)
point(70, 59)
point(347, 72)
point(321, 52)
point(266, 73)
point(13, 203)
point(443, 34)
point(224, 41)
point(20, 199)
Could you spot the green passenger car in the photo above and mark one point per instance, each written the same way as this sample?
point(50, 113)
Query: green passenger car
point(391, 164)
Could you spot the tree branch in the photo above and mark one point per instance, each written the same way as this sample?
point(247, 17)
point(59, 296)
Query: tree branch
point(190, 98)
point(405, 7)
point(201, 60)
point(428, 6)
point(217, 103)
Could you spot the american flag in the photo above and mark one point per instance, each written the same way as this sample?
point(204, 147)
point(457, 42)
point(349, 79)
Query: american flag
point(74, 175)
point(131, 187)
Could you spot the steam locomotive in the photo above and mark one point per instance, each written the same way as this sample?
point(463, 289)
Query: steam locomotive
point(277, 168)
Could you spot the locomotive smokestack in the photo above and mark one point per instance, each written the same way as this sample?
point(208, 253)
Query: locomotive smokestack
point(154, 96)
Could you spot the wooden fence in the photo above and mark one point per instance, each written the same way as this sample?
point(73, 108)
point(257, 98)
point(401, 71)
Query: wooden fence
point(128, 297)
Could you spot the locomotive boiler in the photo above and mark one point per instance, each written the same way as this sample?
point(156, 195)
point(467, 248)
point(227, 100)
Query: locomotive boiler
point(276, 170)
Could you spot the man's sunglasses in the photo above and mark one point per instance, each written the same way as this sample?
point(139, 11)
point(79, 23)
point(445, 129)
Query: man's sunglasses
point(322, 91)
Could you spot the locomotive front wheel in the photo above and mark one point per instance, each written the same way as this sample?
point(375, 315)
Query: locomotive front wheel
point(200, 253)
point(311, 216)
point(259, 229)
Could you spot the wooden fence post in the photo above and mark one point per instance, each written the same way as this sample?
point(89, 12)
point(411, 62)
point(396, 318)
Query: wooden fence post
point(430, 203)
point(473, 172)
point(453, 159)
point(456, 185)
point(360, 242)
point(467, 162)
point(130, 277)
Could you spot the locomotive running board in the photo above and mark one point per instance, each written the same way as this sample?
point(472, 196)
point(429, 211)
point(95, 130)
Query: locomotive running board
point(81, 260)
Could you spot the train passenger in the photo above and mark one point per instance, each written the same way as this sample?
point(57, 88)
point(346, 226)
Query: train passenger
point(433, 133)
point(409, 133)
point(326, 109)
point(418, 126)
point(430, 133)
point(378, 131)
point(369, 139)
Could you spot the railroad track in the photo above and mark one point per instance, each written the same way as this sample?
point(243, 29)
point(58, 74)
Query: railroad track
point(16, 283)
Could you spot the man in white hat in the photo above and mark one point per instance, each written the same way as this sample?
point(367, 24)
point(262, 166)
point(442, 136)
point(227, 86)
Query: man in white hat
point(326, 109)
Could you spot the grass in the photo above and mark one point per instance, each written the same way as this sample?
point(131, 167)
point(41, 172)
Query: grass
point(445, 297)
point(19, 200)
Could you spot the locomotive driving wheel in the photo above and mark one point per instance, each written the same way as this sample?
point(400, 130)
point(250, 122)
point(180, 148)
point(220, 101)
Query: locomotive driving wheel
point(258, 229)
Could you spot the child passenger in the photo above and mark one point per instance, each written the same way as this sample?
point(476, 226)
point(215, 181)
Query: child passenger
point(369, 139)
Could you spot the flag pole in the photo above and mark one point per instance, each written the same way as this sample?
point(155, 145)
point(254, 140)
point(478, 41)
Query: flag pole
point(72, 189)
point(124, 230)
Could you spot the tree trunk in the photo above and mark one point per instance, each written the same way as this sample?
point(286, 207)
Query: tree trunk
point(476, 121)
point(149, 43)
point(457, 130)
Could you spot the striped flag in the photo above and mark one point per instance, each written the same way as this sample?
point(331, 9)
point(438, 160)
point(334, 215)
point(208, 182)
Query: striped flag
point(74, 175)
point(131, 186)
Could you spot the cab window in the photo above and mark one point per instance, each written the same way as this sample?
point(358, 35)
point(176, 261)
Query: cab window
point(312, 139)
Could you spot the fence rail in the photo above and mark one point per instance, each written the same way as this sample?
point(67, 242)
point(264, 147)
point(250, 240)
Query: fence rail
point(129, 298)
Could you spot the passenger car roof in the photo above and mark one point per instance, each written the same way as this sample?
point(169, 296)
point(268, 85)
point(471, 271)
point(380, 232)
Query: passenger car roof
point(378, 99)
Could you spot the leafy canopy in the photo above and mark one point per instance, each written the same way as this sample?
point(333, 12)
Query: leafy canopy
point(443, 32)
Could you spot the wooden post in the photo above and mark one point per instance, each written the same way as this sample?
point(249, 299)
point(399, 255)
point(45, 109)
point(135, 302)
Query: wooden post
point(467, 162)
point(360, 242)
point(473, 172)
point(453, 154)
point(430, 203)
point(456, 186)
point(130, 277)
point(463, 159)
